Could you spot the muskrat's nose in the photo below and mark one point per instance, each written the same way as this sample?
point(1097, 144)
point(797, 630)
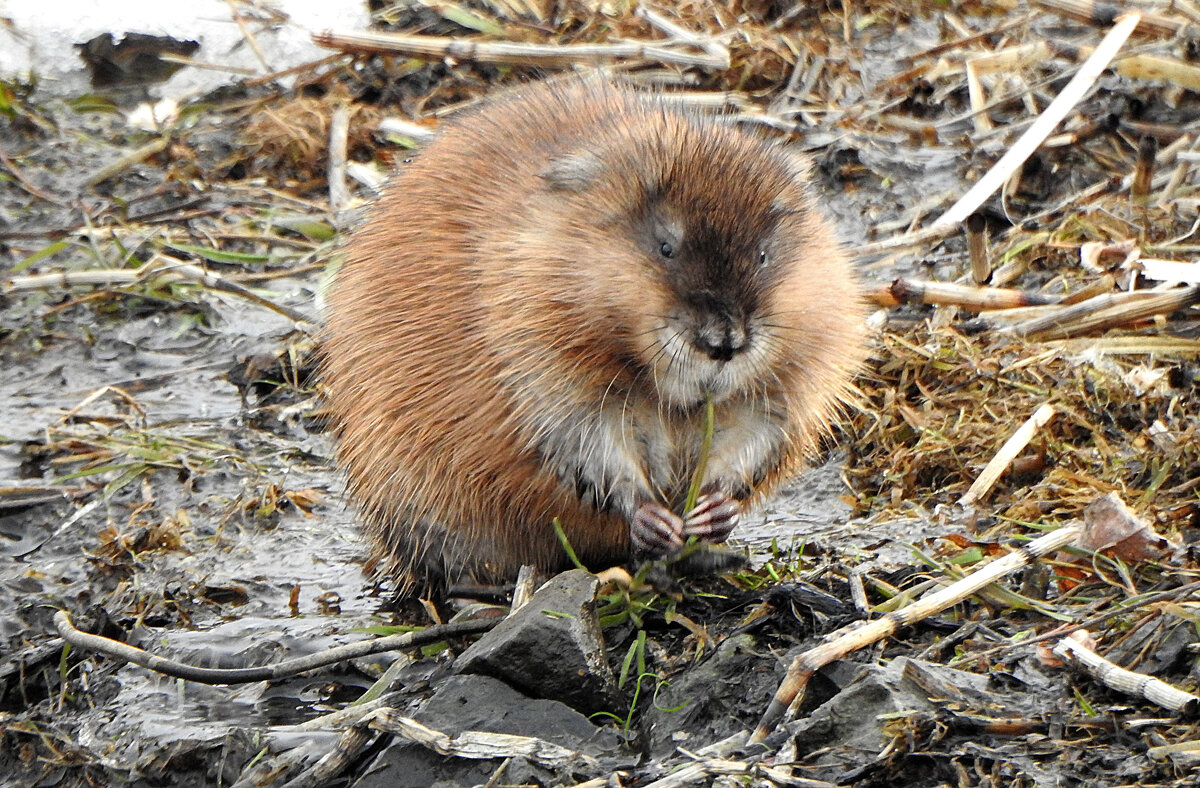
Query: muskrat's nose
point(720, 341)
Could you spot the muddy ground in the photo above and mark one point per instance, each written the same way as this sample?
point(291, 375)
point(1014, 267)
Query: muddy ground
point(165, 478)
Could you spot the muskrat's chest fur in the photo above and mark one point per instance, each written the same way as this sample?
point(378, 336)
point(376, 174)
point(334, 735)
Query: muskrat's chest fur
point(531, 318)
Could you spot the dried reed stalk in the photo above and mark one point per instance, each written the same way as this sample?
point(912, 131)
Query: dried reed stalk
point(682, 35)
point(1132, 345)
point(1106, 311)
point(1024, 147)
point(1008, 452)
point(978, 299)
point(1168, 69)
point(339, 133)
point(1169, 270)
point(161, 268)
point(513, 53)
point(1104, 14)
point(1103, 285)
point(790, 694)
point(422, 135)
point(1189, 144)
point(1143, 172)
point(348, 748)
point(977, 248)
point(1008, 60)
point(126, 161)
point(479, 745)
point(1158, 692)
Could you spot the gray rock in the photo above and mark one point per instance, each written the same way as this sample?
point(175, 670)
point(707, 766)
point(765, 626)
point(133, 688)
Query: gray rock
point(725, 693)
point(551, 648)
point(853, 720)
point(484, 704)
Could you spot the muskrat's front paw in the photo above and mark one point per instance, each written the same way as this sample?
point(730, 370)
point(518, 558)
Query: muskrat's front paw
point(714, 516)
point(656, 529)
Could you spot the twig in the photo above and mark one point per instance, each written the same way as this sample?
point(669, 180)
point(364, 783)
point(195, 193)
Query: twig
point(422, 135)
point(1106, 311)
point(246, 34)
point(915, 291)
point(790, 694)
point(352, 742)
point(977, 248)
point(1010, 59)
point(480, 745)
point(161, 268)
point(117, 391)
point(1103, 14)
point(963, 43)
point(713, 761)
point(349, 715)
point(1024, 147)
point(195, 273)
point(128, 160)
point(1188, 9)
point(1182, 167)
point(1167, 69)
point(1165, 751)
point(529, 579)
point(907, 240)
point(701, 771)
point(1182, 592)
point(12, 497)
point(26, 184)
point(1168, 270)
point(224, 68)
point(706, 440)
point(109, 277)
point(1103, 285)
point(512, 53)
point(287, 72)
point(1143, 172)
point(339, 133)
point(82, 512)
point(1127, 681)
point(288, 667)
point(1008, 452)
point(683, 35)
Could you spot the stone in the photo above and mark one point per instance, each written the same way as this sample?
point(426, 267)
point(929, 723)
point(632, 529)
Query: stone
point(551, 647)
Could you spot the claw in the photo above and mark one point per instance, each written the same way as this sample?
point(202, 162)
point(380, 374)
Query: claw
point(713, 518)
point(656, 529)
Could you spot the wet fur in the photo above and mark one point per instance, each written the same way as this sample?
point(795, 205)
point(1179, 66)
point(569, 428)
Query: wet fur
point(506, 343)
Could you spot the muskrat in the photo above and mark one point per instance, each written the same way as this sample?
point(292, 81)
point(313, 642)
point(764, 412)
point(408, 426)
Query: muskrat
point(532, 317)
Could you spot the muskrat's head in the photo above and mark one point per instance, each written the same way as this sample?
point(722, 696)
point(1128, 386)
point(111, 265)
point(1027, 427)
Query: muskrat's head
point(702, 244)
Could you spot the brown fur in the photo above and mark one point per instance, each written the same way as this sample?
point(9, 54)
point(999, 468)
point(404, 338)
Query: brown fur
point(495, 351)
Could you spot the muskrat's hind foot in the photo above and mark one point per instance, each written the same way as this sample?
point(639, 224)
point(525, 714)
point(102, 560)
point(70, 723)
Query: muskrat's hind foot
point(655, 529)
point(714, 516)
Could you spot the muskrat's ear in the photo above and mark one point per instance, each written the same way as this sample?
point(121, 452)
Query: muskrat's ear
point(798, 163)
point(573, 172)
point(798, 166)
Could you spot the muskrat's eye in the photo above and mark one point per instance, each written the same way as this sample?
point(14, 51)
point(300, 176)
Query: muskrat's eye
point(763, 260)
point(666, 250)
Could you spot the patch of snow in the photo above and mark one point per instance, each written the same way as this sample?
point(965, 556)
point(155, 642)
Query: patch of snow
point(41, 38)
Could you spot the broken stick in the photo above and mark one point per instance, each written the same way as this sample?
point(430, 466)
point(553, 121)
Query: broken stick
point(1008, 452)
point(790, 694)
point(1072, 649)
